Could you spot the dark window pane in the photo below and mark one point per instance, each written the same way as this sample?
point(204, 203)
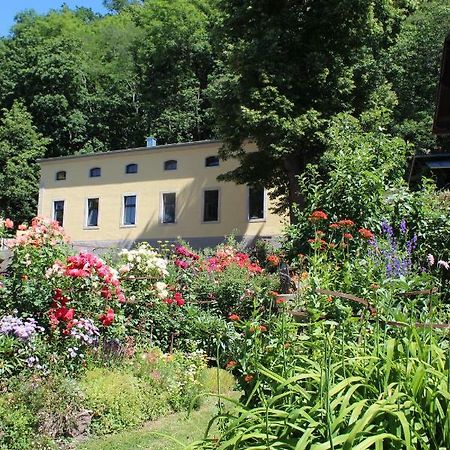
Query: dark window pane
point(170, 165)
point(92, 218)
point(211, 206)
point(212, 161)
point(169, 200)
point(255, 203)
point(61, 175)
point(131, 168)
point(129, 210)
point(95, 172)
point(58, 211)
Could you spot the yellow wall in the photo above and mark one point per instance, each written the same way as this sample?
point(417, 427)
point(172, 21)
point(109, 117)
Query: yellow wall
point(188, 181)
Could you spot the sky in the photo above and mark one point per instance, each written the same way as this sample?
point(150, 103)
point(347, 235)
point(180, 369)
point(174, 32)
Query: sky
point(9, 8)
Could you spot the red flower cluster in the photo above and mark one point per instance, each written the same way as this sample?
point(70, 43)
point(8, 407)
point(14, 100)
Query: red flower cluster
point(176, 300)
point(344, 223)
point(318, 215)
point(107, 318)
point(183, 251)
point(365, 233)
point(59, 311)
point(234, 317)
point(87, 264)
point(228, 256)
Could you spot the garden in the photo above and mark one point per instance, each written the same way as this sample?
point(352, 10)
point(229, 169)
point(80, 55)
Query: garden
point(338, 338)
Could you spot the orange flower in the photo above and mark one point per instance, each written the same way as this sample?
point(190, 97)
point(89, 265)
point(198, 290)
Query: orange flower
point(280, 300)
point(274, 294)
point(375, 286)
point(234, 317)
point(231, 364)
point(304, 276)
point(262, 328)
point(318, 215)
point(24, 277)
point(346, 223)
point(348, 236)
point(365, 233)
point(274, 260)
point(329, 299)
point(248, 378)
point(334, 225)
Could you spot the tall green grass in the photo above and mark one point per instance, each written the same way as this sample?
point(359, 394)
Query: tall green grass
point(349, 389)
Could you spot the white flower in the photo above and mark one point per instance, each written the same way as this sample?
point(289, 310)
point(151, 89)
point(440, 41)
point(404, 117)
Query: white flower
point(443, 264)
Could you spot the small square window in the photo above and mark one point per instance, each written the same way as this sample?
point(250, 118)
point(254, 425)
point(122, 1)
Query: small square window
point(131, 168)
point(211, 205)
point(170, 165)
point(61, 175)
point(95, 172)
point(212, 161)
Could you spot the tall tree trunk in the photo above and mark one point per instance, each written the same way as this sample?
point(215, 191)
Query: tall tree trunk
point(293, 167)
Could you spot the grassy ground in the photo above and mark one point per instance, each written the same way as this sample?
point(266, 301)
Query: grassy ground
point(172, 432)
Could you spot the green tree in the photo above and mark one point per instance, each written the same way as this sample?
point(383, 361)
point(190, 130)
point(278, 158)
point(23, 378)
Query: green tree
point(20, 146)
point(288, 67)
point(173, 63)
point(413, 68)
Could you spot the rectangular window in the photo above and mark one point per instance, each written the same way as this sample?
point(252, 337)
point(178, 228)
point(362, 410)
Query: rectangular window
point(92, 212)
point(58, 211)
point(255, 203)
point(211, 206)
point(129, 210)
point(168, 207)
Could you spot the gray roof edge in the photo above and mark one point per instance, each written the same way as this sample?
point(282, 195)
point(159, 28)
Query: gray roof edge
point(134, 149)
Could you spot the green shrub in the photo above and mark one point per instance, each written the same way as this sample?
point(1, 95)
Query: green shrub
point(116, 398)
point(216, 380)
point(18, 427)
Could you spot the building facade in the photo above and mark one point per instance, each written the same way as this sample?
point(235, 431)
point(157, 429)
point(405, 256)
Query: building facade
point(153, 193)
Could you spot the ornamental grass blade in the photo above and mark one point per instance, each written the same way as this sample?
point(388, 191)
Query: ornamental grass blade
point(372, 440)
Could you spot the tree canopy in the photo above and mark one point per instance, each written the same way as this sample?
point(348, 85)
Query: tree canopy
point(277, 73)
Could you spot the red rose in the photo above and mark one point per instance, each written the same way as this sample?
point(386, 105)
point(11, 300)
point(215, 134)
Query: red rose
point(107, 319)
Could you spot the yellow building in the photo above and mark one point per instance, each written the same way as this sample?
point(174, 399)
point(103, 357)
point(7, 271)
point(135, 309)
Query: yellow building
point(152, 193)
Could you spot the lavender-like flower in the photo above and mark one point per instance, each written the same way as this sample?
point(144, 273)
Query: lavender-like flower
point(430, 259)
point(403, 228)
point(85, 331)
point(23, 329)
point(443, 264)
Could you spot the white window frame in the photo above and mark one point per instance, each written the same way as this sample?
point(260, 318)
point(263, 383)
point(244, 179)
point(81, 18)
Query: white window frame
point(122, 210)
point(86, 214)
point(264, 218)
point(161, 207)
point(219, 200)
point(53, 209)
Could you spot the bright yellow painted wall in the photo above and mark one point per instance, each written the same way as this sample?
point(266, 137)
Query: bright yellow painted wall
point(188, 181)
